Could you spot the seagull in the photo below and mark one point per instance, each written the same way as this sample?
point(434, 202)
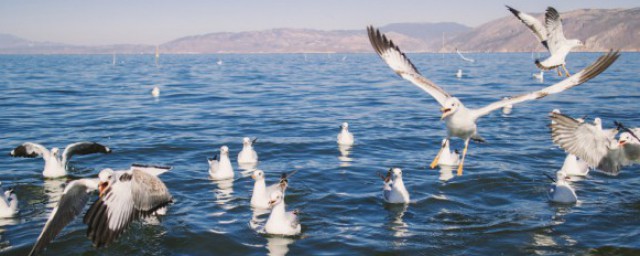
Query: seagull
point(248, 155)
point(448, 158)
point(459, 74)
point(155, 92)
point(345, 137)
point(561, 191)
point(461, 121)
point(221, 169)
point(124, 196)
point(54, 166)
point(596, 146)
point(551, 36)
point(8, 203)
point(539, 77)
point(393, 190)
point(261, 193)
point(573, 166)
point(280, 221)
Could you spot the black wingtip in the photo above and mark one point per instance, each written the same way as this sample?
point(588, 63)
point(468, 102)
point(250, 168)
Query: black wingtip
point(514, 11)
point(549, 176)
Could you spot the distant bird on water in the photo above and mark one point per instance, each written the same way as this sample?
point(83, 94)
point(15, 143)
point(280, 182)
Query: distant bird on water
point(461, 121)
point(345, 137)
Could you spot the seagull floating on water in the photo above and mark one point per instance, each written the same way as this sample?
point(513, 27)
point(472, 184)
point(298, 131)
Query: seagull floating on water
point(280, 221)
point(448, 157)
point(561, 191)
point(155, 92)
point(551, 35)
point(459, 74)
point(393, 190)
point(261, 193)
point(54, 166)
point(573, 166)
point(248, 155)
point(124, 196)
point(8, 203)
point(596, 146)
point(345, 137)
point(539, 76)
point(220, 168)
point(461, 121)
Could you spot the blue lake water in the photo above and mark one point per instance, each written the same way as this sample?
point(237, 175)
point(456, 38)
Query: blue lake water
point(294, 104)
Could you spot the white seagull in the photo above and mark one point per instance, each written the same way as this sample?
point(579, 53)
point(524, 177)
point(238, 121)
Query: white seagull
point(393, 190)
point(539, 77)
point(220, 168)
point(280, 221)
point(597, 146)
point(345, 137)
point(459, 73)
point(573, 166)
point(54, 166)
point(124, 196)
point(8, 203)
point(155, 92)
point(561, 191)
point(261, 193)
point(461, 121)
point(552, 38)
point(448, 157)
point(248, 155)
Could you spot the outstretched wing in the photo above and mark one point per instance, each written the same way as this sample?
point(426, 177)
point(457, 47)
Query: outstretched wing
point(83, 148)
point(75, 196)
point(155, 170)
point(400, 64)
point(533, 24)
point(31, 150)
point(555, 33)
point(132, 195)
point(584, 75)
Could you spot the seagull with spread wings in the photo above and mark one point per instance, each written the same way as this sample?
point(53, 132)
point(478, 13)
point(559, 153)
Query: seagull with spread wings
point(597, 146)
point(54, 166)
point(124, 196)
point(551, 35)
point(461, 121)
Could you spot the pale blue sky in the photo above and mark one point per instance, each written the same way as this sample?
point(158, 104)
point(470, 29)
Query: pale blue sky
point(159, 21)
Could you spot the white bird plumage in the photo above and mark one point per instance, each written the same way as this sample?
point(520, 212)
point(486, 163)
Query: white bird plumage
point(261, 192)
point(345, 137)
point(448, 157)
point(561, 191)
point(220, 167)
point(280, 221)
point(459, 73)
point(248, 155)
point(394, 190)
point(551, 35)
point(539, 76)
point(596, 146)
point(8, 203)
point(54, 165)
point(124, 196)
point(461, 121)
point(155, 92)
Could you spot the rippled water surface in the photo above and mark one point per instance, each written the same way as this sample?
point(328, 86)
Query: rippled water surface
point(294, 104)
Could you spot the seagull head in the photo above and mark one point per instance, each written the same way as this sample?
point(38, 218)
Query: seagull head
point(55, 151)
point(224, 150)
point(105, 177)
point(345, 126)
point(625, 138)
point(275, 198)
point(450, 106)
point(396, 173)
point(246, 141)
point(598, 122)
point(257, 175)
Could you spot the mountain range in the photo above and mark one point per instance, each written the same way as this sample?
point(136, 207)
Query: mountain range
point(600, 29)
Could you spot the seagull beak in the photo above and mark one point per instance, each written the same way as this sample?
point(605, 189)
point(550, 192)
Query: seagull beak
point(622, 142)
point(101, 187)
point(445, 112)
point(271, 203)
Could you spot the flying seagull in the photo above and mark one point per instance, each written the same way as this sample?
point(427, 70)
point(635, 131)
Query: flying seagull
point(461, 121)
point(54, 166)
point(551, 35)
point(124, 196)
point(597, 146)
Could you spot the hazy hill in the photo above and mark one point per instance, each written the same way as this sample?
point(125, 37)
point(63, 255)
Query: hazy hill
point(600, 29)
